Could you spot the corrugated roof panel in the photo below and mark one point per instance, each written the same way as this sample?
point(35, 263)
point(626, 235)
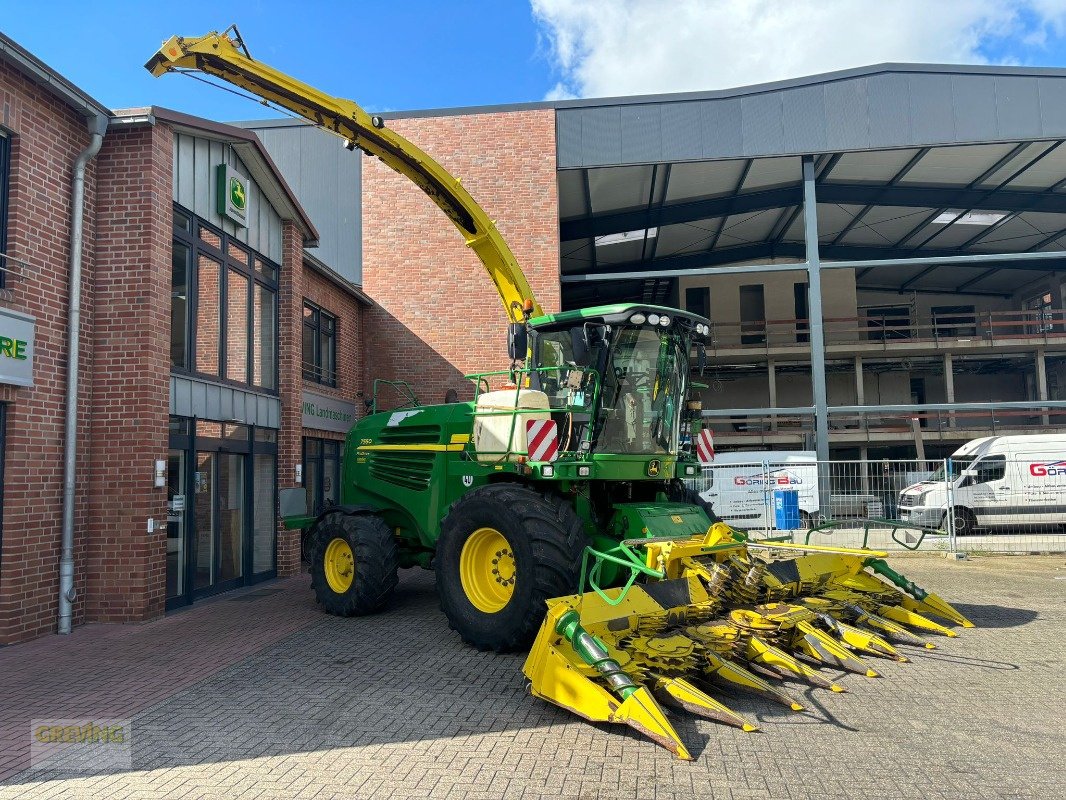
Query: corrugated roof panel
point(747, 228)
point(618, 188)
point(875, 166)
point(889, 111)
point(676, 239)
point(804, 119)
point(572, 194)
point(955, 166)
point(769, 172)
point(601, 135)
point(620, 253)
point(1017, 107)
point(699, 179)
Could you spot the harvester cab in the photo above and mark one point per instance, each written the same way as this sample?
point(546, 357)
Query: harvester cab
point(560, 487)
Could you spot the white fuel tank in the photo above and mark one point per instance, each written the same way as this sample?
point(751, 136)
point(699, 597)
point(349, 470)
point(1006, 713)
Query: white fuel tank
point(491, 428)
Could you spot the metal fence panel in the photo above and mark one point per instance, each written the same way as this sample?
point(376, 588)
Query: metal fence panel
point(1006, 505)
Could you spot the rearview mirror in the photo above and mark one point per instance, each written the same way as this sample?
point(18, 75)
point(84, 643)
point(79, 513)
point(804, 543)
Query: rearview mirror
point(517, 341)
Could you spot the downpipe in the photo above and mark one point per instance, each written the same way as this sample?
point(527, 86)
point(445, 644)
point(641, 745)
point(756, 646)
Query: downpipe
point(67, 595)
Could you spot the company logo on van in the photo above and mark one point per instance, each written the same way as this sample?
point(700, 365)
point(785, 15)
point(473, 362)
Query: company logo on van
point(1046, 470)
point(776, 478)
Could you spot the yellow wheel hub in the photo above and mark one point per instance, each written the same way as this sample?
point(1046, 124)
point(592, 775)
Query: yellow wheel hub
point(487, 570)
point(339, 565)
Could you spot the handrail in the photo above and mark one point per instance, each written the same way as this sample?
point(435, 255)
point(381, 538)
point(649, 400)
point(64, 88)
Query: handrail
point(896, 525)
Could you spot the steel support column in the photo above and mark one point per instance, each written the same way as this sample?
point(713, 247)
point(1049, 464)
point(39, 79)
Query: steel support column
point(817, 333)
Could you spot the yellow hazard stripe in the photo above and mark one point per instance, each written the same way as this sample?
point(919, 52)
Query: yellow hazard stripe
point(425, 448)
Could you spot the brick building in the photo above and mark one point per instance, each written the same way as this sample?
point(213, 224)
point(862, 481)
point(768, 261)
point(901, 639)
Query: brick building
point(218, 358)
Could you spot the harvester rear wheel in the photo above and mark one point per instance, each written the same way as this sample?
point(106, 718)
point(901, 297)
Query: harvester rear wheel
point(504, 550)
point(354, 559)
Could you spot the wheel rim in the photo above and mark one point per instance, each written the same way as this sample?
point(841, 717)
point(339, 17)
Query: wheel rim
point(339, 562)
point(487, 570)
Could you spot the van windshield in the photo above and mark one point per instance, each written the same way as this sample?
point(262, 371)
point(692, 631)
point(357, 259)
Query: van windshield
point(957, 466)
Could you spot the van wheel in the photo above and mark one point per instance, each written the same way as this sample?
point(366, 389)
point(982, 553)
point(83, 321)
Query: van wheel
point(965, 522)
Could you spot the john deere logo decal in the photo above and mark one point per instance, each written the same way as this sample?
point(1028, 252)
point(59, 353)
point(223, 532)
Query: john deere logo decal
point(653, 468)
point(232, 194)
point(236, 194)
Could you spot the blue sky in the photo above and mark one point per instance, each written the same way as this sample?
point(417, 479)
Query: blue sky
point(421, 54)
point(385, 55)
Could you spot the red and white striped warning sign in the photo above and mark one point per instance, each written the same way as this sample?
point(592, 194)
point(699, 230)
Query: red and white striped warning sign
point(542, 438)
point(705, 446)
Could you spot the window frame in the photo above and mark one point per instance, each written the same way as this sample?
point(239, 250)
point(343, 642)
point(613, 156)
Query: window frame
point(5, 192)
point(313, 371)
point(192, 239)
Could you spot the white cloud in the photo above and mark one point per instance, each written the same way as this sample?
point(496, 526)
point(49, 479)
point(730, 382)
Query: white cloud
point(601, 48)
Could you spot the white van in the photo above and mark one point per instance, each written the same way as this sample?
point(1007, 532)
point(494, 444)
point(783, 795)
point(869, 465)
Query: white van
point(997, 482)
point(740, 486)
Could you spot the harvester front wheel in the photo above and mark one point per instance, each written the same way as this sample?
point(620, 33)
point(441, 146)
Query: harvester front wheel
point(354, 559)
point(504, 550)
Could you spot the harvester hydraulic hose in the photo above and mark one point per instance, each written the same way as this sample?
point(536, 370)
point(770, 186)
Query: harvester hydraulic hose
point(880, 566)
point(593, 653)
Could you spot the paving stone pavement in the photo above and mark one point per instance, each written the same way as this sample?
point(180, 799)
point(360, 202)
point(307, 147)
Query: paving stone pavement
point(394, 706)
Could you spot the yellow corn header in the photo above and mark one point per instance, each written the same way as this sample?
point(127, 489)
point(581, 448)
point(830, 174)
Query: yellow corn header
point(721, 611)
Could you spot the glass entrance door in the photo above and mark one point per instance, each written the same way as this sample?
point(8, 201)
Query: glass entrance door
point(220, 514)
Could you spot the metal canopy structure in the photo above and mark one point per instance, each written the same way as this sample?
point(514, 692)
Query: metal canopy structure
point(921, 179)
point(910, 162)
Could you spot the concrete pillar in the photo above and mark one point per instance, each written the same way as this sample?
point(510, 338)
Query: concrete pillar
point(771, 374)
point(860, 387)
point(1041, 383)
point(949, 385)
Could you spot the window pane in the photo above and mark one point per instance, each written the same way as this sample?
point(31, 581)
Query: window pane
point(237, 253)
point(237, 327)
point(181, 258)
point(233, 432)
point(264, 346)
point(268, 271)
point(309, 361)
point(210, 237)
point(327, 356)
point(182, 222)
point(207, 315)
point(266, 435)
point(264, 513)
point(230, 515)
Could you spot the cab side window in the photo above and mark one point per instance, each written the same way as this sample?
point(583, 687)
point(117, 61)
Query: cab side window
point(989, 469)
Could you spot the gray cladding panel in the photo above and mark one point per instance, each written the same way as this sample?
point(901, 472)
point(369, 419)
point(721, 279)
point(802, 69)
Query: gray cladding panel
point(326, 179)
point(195, 160)
point(190, 397)
point(884, 109)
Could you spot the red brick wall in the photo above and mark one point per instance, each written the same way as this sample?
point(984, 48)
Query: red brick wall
point(351, 377)
point(440, 316)
point(290, 318)
point(47, 138)
point(125, 566)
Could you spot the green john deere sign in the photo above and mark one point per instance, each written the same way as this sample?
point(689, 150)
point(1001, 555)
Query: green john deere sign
point(232, 194)
point(16, 347)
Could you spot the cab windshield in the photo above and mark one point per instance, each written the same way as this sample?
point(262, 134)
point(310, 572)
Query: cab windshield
point(643, 385)
point(638, 374)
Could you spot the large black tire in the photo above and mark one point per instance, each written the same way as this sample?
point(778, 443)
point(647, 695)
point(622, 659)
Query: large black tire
point(546, 540)
point(679, 492)
point(375, 561)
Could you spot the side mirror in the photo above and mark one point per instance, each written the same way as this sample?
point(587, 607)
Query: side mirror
point(594, 334)
point(701, 357)
point(517, 341)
